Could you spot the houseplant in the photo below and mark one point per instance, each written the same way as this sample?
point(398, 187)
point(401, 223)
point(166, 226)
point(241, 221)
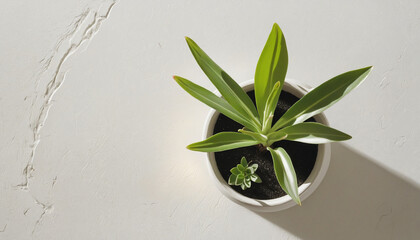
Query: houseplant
point(257, 127)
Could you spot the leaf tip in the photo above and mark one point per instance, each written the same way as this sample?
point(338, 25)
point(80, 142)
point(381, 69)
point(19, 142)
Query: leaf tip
point(189, 40)
point(346, 136)
point(277, 29)
point(177, 79)
point(367, 69)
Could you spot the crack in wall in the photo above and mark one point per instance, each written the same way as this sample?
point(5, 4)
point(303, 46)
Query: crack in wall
point(25, 211)
point(382, 216)
point(53, 182)
point(47, 208)
point(400, 141)
point(81, 31)
point(4, 229)
point(53, 87)
point(397, 63)
point(73, 27)
point(58, 78)
point(385, 81)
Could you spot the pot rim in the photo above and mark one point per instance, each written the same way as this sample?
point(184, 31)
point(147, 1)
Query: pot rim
point(271, 205)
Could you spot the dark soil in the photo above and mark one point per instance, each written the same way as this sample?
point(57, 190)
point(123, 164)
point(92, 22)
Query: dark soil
point(303, 155)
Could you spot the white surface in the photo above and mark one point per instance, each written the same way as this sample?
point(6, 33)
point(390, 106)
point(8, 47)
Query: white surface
point(110, 159)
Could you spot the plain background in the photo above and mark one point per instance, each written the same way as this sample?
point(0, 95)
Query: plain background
point(87, 99)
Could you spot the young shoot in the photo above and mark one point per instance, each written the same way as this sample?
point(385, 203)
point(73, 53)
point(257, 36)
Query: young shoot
point(242, 175)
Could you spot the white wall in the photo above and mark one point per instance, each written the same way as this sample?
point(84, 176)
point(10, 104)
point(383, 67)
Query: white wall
point(87, 99)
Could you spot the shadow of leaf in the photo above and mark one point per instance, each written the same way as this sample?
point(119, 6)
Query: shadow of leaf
point(358, 199)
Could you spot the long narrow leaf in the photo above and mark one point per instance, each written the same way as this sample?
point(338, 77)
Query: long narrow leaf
point(314, 133)
point(271, 67)
point(223, 141)
point(275, 137)
point(261, 138)
point(285, 173)
point(213, 101)
point(270, 107)
point(322, 97)
point(229, 89)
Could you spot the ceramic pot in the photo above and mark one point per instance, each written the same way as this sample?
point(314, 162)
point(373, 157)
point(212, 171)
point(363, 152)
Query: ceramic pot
point(272, 205)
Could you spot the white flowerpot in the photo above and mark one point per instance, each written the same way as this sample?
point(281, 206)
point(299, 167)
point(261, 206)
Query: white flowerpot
point(272, 205)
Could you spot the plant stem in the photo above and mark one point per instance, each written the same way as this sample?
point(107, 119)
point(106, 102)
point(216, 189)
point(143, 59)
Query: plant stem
point(261, 148)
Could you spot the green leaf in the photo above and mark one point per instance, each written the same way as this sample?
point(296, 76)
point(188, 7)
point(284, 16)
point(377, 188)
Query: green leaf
point(314, 133)
point(247, 183)
point(239, 179)
point(235, 171)
point(285, 173)
point(241, 168)
point(229, 89)
point(243, 186)
point(254, 167)
point(213, 101)
point(255, 178)
point(223, 141)
point(271, 67)
point(270, 107)
point(261, 138)
point(244, 162)
point(322, 97)
point(232, 179)
point(275, 136)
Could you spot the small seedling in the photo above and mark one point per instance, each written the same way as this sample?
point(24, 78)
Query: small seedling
point(243, 175)
point(257, 119)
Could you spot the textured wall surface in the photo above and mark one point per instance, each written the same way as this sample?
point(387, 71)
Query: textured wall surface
point(93, 129)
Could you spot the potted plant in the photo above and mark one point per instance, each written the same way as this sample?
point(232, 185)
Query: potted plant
point(255, 134)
